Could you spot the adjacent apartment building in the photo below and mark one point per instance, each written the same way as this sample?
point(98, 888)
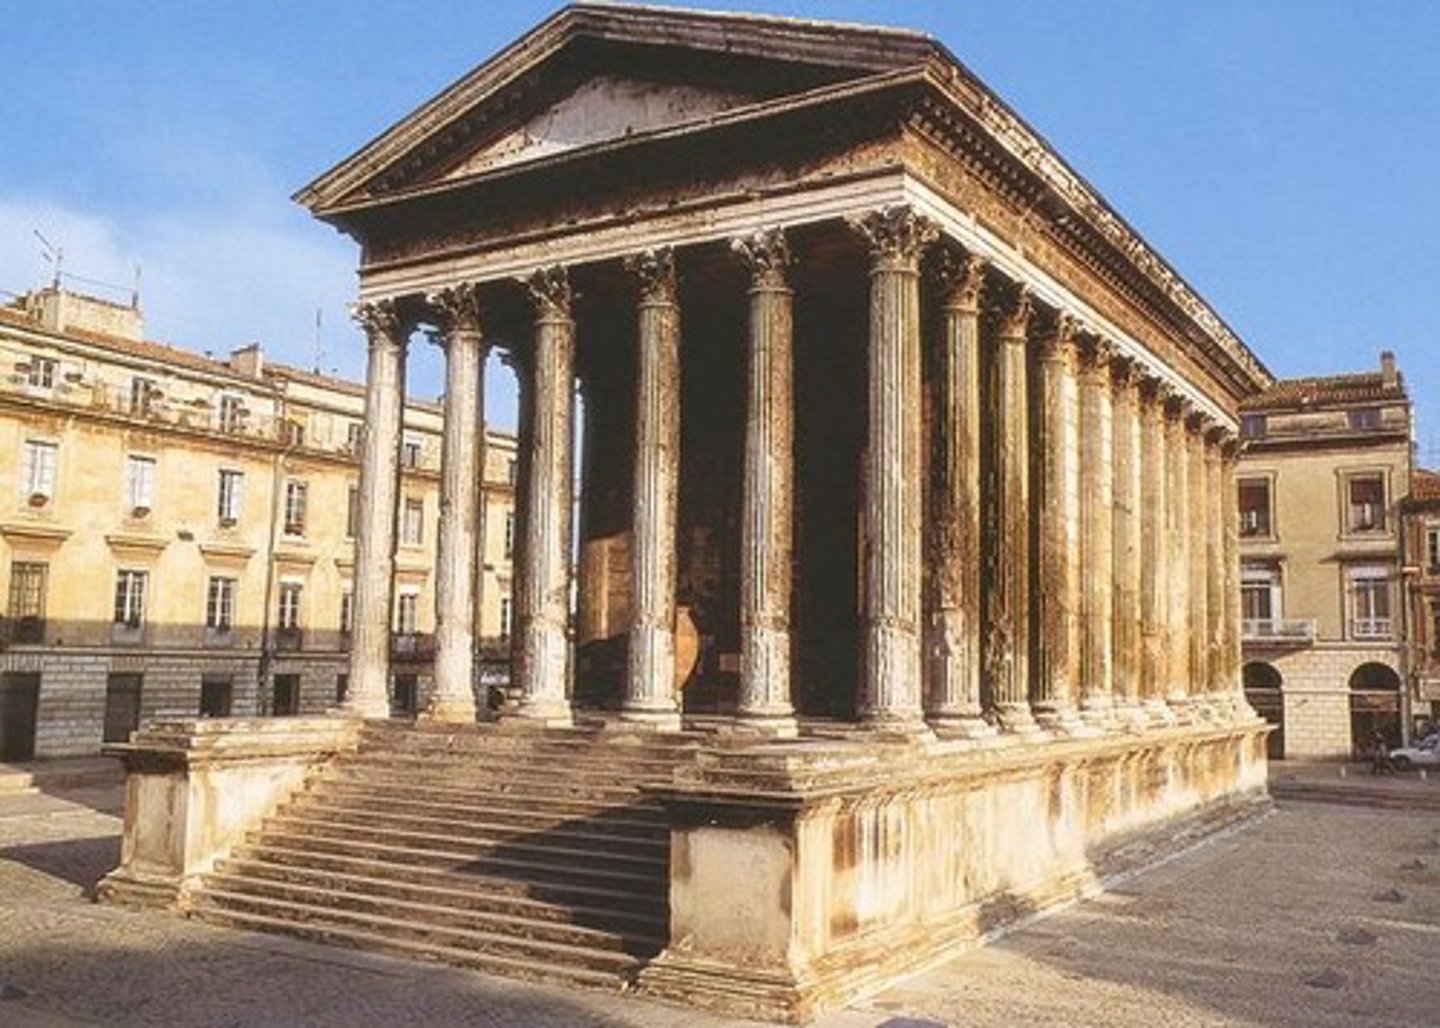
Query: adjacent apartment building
point(1323, 479)
point(1421, 542)
point(177, 531)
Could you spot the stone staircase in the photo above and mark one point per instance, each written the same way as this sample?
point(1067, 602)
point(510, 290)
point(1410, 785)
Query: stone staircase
point(533, 855)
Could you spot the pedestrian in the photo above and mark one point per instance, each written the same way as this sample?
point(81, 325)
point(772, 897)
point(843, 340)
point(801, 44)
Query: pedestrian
point(1380, 762)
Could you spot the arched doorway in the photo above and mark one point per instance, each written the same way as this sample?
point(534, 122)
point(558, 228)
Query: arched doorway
point(1374, 705)
point(1262, 683)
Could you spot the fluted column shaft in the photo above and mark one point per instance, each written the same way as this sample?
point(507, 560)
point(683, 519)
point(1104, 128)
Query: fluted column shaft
point(650, 695)
point(1177, 528)
point(542, 609)
point(1007, 639)
point(1096, 541)
point(766, 532)
point(457, 310)
point(953, 629)
point(1128, 489)
point(1197, 621)
point(1154, 552)
point(1057, 679)
point(890, 692)
point(1231, 658)
point(1215, 686)
point(368, 692)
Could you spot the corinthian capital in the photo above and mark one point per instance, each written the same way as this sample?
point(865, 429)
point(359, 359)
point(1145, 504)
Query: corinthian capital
point(1016, 310)
point(961, 278)
point(895, 233)
point(1061, 338)
point(550, 289)
point(656, 271)
point(766, 254)
point(456, 308)
point(380, 319)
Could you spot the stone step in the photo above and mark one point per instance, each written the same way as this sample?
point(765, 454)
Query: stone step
point(566, 851)
point(621, 912)
point(638, 897)
point(637, 817)
point(594, 788)
point(359, 936)
point(537, 865)
point(574, 832)
point(421, 733)
point(632, 806)
point(241, 892)
point(484, 752)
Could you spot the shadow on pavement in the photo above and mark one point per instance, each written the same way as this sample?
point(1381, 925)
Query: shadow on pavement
point(81, 862)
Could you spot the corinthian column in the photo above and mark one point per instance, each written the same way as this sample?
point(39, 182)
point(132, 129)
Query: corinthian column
point(769, 488)
point(1007, 638)
point(953, 628)
point(457, 311)
point(1096, 543)
point(890, 696)
point(1128, 487)
point(1178, 527)
point(1198, 619)
point(542, 606)
point(368, 693)
point(1058, 600)
point(1215, 691)
point(1231, 660)
point(1154, 552)
point(650, 696)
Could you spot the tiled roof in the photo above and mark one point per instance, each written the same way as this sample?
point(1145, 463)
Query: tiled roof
point(1299, 393)
point(1424, 486)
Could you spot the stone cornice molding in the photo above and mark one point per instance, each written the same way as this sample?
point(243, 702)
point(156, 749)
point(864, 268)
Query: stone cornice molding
point(656, 271)
point(550, 290)
point(896, 233)
point(767, 254)
point(961, 277)
point(456, 310)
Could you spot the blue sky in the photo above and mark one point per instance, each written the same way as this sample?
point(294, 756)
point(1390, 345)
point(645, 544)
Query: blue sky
point(1282, 154)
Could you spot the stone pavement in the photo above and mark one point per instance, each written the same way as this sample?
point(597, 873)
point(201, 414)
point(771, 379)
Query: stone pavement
point(1319, 915)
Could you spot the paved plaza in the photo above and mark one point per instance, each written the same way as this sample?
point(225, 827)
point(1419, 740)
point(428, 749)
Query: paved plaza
point(1320, 914)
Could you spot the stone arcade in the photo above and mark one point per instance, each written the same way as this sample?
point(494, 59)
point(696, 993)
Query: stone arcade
point(900, 495)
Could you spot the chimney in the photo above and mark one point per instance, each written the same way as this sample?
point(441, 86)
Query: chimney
point(249, 360)
point(1388, 375)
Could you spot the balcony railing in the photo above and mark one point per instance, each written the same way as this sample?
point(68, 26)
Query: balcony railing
point(1370, 628)
point(1286, 630)
point(412, 646)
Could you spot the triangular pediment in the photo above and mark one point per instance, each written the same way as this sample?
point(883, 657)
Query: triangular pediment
point(603, 108)
point(598, 73)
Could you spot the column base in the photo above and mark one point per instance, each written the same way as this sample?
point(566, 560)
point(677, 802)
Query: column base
point(651, 719)
point(371, 709)
point(768, 726)
point(1098, 713)
point(1064, 721)
point(449, 711)
point(540, 713)
point(1130, 715)
point(1017, 719)
point(907, 728)
point(961, 726)
point(1157, 712)
point(1184, 708)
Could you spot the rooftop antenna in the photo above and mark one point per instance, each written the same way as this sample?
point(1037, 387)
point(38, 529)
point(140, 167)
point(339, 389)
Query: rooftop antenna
point(54, 255)
point(319, 353)
point(135, 290)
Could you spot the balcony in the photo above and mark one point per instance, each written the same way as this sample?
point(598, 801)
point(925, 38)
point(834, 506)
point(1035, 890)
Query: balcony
point(412, 646)
point(1278, 631)
point(1370, 628)
point(289, 639)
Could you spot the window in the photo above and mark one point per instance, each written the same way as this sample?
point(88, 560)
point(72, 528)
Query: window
point(27, 601)
point(231, 415)
point(353, 436)
point(1369, 603)
point(220, 604)
point(1255, 507)
point(1259, 594)
point(215, 693)
point(285, 695)
point(140, 484)
point(410, 453)
point(41, 373)
point(510, 471)
point(292, 433)
point(1365, 503)
point(1432, 548)
point(37, 470)
point(342, 687)
point(142, 391)
point(1252, 426)
point(130, 587)
point(289, 606)
point(1365, 419)
point(412, 522)
point(504, 617)
point(509, 534)
point(1435, 628)
point(232, 488)
point(295, 502)
point(347, 612)
point(406, 620)
point(352, 513)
